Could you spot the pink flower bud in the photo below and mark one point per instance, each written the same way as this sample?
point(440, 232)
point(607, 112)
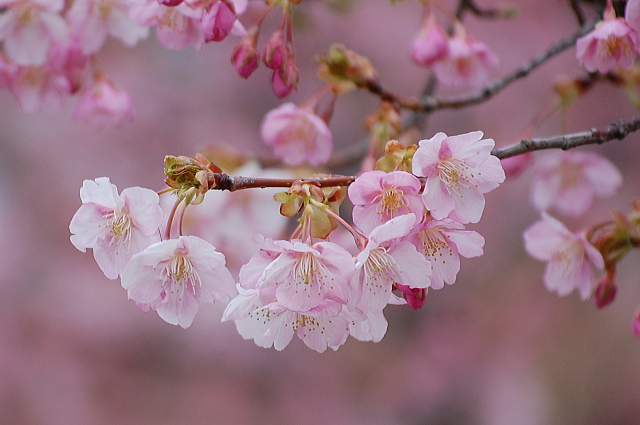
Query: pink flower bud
point(430, 45)
point(244, 57)
point(285, 79)
point(104, 103)
point(605, 291)
point(217, 20)
point(416, 297)
point(169, 3)
point(274, 52)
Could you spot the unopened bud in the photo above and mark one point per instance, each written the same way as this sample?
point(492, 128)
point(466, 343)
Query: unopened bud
point(415, 297)
point(341, 64)
point(274, 52)
point(218, 19)
point(605, 291)
point(244, 57)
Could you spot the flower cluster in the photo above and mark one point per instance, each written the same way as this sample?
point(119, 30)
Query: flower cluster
point(409, 239)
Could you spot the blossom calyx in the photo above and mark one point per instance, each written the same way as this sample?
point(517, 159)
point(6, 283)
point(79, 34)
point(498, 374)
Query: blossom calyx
point(341, 64)
point(396, 157)
point(189, 177)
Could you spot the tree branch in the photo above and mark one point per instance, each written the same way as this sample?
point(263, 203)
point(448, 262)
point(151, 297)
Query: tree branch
point(431, 104)
point(616, 131)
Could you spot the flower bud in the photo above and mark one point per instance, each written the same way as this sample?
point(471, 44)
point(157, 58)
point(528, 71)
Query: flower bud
point(284, 80)
point(605, 290)
point(244, 57)
point(169, 3)
point(343, 64)
point(416, 297)
point(430, 45)
point(218, 19)
point(274, 52)
point(635, 325)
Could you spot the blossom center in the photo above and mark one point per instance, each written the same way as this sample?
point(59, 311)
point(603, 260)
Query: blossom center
point(614, 47)
point(181, 276)
point(391, 202)
point(309, 271)
point(380, 269)
point(433, 244)
point(454, 173)
point(119, 225)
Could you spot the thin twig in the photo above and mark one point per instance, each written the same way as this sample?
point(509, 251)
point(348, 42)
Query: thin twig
point(616, 131)
point(431, 104)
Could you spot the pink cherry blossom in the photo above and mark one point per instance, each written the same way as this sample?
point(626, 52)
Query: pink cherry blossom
point(442, 242)
point(632, 16)
point(385, 261)
point(569, 180)
point(28, 28)
point(91, 21)
point(430, 45)
point(304, 276)
point(378, 197)
point(635, 325)
point(322, 327)
point(459, 171)
point(297, 135)
point(468, 63)
point(274, 51)
point(104, 103)
point(611, 43)
point(570, 257)
point(115, 226)
point(176, 275)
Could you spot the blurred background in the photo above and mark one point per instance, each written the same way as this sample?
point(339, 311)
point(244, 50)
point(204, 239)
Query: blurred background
point(495, 348)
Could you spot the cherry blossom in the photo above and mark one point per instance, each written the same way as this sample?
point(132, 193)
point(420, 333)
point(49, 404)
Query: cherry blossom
point(115, 226)
point(430, 45)
point(570, 257)
point(385, 261)
point(176, 275)
point(378, 197)
point(468, 63)
point(442, 242)
point(28, 28)
point(91, 21)
point(176, 27)
point(459, 171)
point(569, 180)
point(297, 135)
point(104, 103)
point(218, 19)
point(611, 43)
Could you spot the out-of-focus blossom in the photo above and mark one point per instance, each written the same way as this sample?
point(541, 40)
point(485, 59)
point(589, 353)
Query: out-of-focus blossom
point(632, 15)
point(570, 257)
point(605, 290)
point(297, 135)
point(515, 165)
point(91, 21)
point(569, 180)
point(430, 45)
point(468, 63)
point(115, 226)
point(176, 275)
point(218, 19)
point(28, 28)
point(611, 43)
point(635, 325)
point(378, 197)
point(244, 56)
point(385, 261)
point(442, 242)
point(104, 103)
point(176, 27)
point(459, 171)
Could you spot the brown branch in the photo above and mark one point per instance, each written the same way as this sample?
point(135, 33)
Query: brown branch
point(616, 131)
point(431, 104)
point(221, 181)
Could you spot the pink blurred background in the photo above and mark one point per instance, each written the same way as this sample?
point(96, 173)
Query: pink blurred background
point(495, 348)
